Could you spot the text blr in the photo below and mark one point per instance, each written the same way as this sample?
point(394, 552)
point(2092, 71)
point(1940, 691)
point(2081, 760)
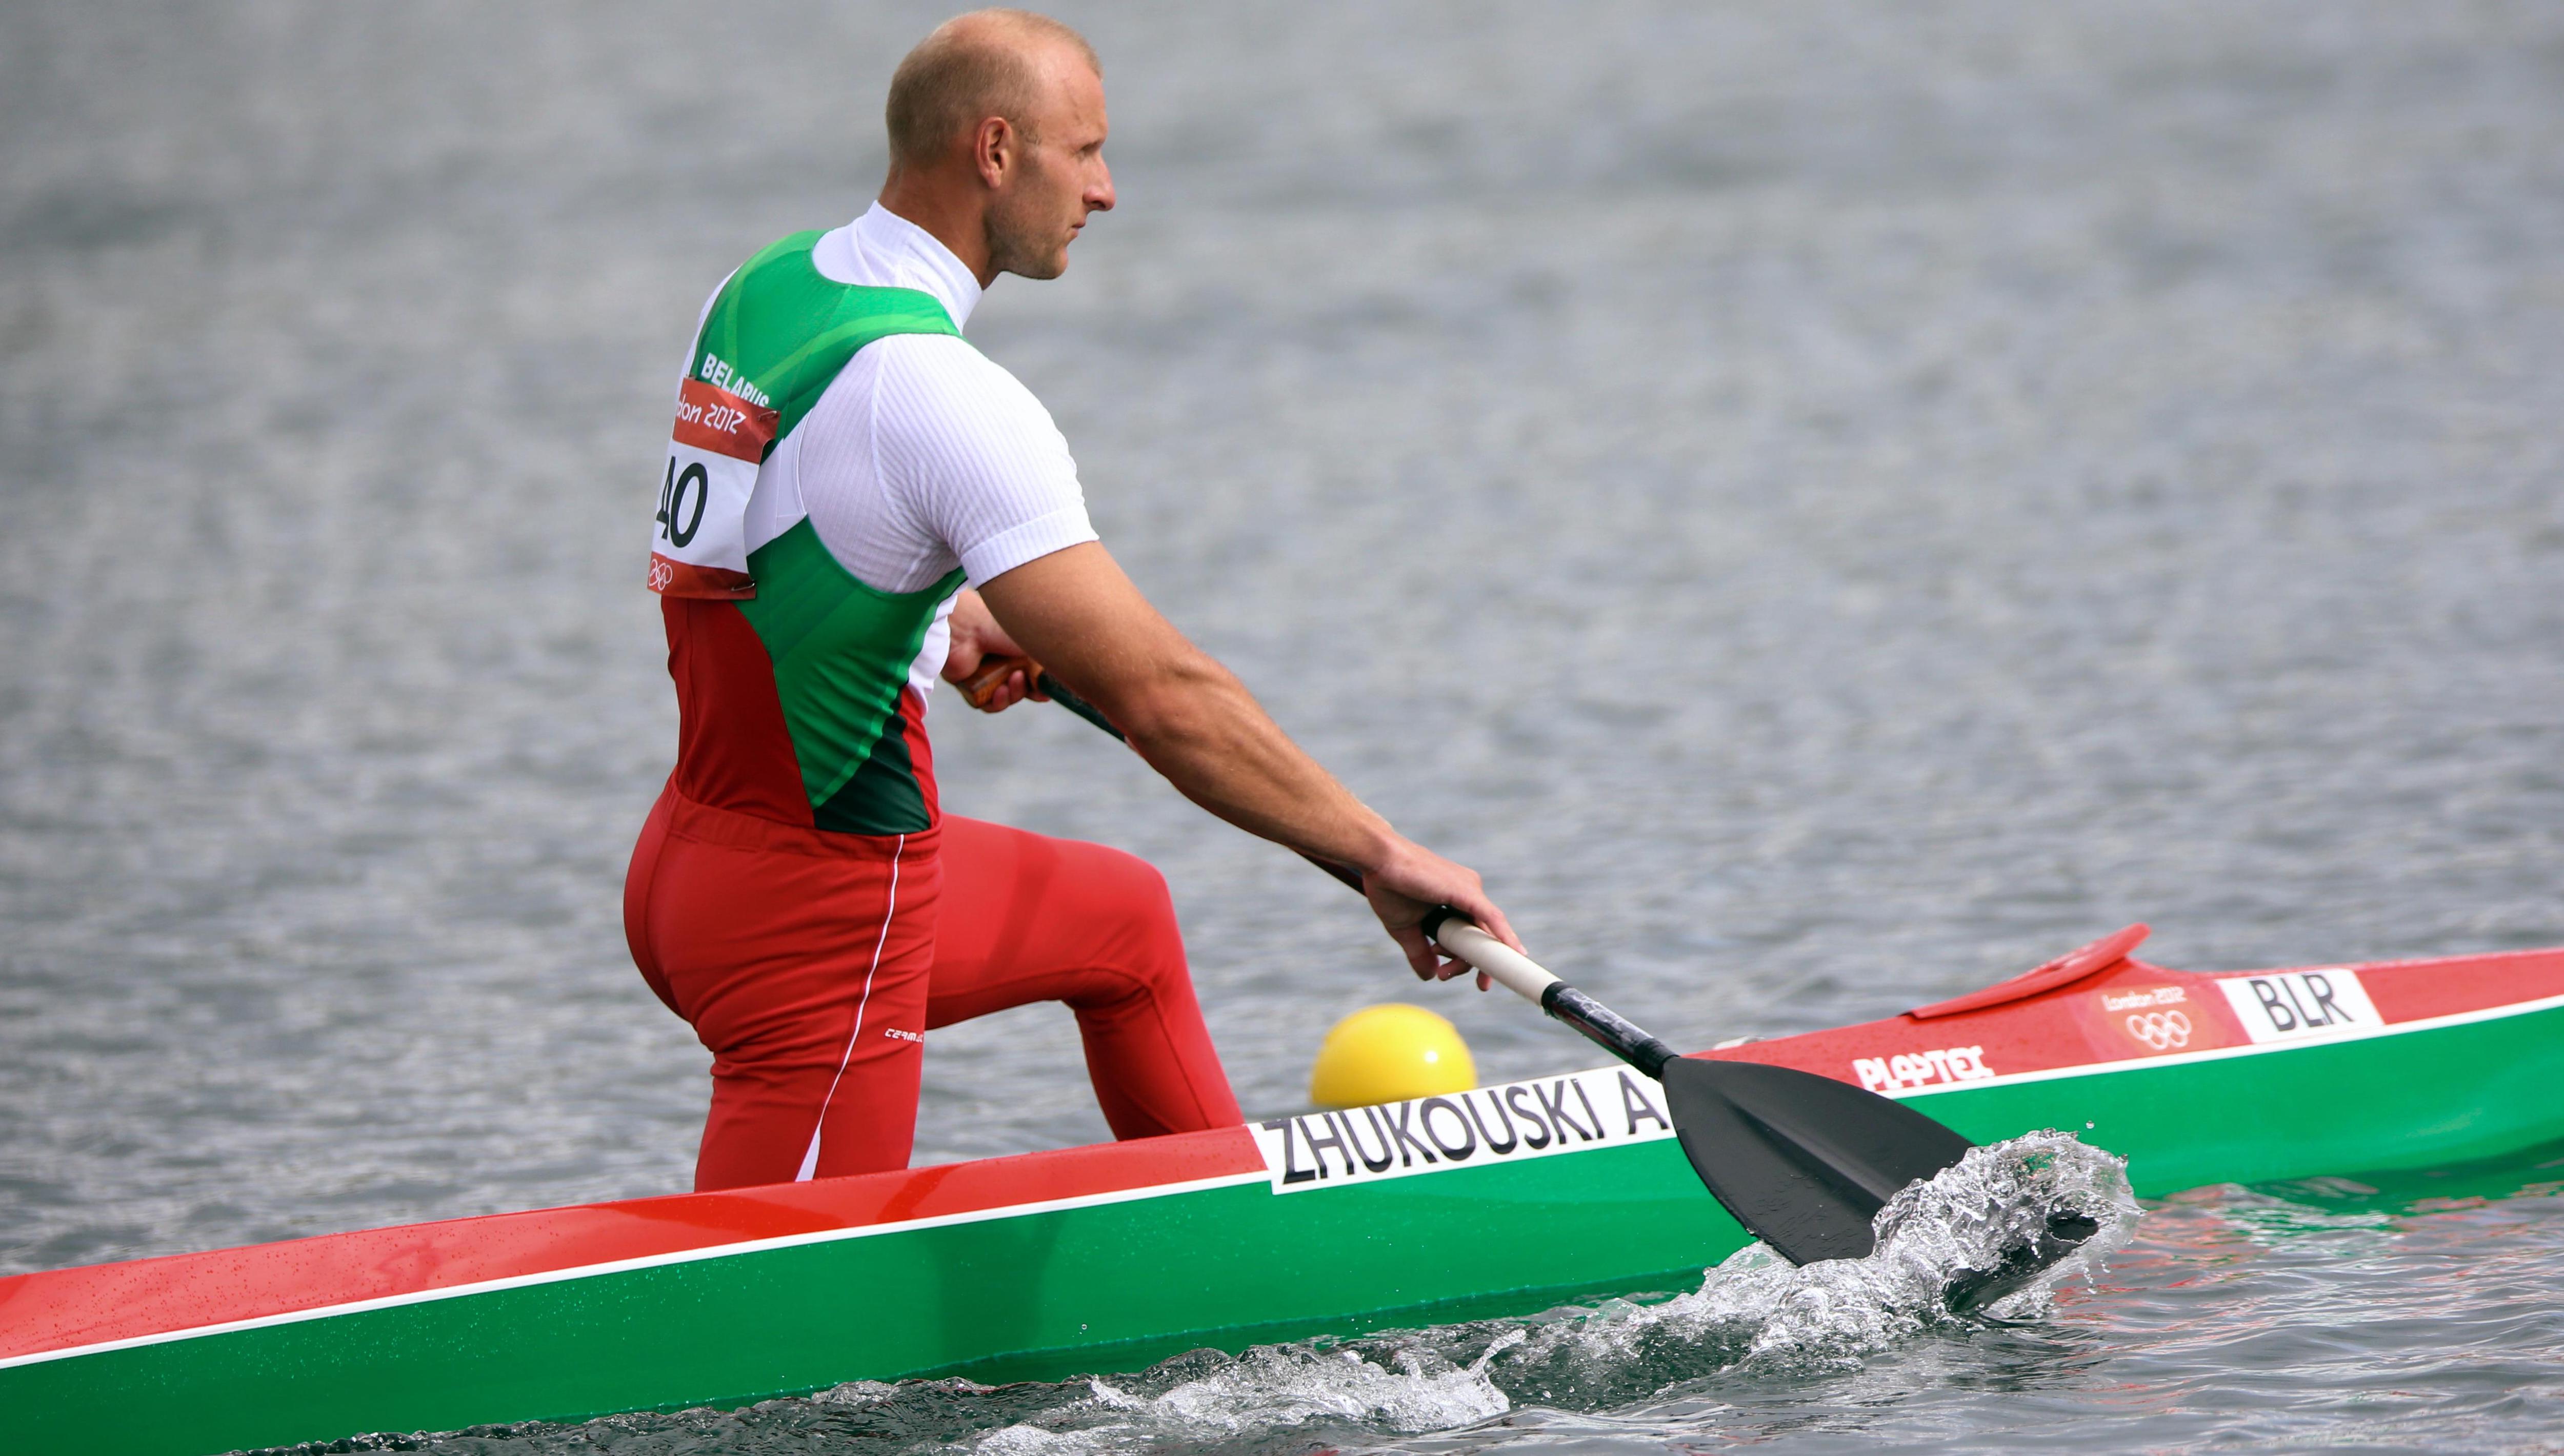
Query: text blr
point(2287, 1005)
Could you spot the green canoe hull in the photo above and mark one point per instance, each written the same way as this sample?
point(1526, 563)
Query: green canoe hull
point(1114, 1281)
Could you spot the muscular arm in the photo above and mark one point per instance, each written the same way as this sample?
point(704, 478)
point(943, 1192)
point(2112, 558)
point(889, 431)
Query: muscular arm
point(1194, 721)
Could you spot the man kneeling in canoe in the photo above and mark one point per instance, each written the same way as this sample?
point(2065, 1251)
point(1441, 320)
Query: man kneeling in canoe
point(842, 462)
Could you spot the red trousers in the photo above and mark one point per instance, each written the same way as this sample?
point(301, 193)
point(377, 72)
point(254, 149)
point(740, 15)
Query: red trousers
point(812, 964)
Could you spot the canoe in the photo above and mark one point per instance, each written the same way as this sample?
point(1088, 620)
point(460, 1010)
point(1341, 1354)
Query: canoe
point(1502, 1200)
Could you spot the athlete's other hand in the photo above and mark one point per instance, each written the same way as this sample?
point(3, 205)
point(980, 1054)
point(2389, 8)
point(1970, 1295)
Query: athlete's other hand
point(1409, 882)
point(979, 643)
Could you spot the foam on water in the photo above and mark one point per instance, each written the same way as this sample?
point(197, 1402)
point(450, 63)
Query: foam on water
point(1754, 1310)
point(1270, 1388)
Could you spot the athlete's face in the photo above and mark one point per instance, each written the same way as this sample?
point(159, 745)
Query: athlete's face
point(1057, 176)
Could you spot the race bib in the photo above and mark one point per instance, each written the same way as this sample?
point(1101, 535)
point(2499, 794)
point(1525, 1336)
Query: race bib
point(699, 547)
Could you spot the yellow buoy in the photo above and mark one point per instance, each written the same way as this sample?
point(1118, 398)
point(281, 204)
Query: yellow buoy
point(1389, 1054)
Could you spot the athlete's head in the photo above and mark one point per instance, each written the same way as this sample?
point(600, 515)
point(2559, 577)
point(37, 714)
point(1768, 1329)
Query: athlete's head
point(1006, 108)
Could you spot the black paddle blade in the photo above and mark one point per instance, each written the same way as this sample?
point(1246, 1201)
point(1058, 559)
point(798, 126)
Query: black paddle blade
point(1803, 1161)
point(2065, 1232)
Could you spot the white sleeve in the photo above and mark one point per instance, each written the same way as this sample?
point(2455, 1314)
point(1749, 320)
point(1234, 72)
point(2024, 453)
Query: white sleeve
point(972, 457)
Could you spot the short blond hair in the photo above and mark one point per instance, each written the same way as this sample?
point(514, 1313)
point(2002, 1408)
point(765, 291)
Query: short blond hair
point(967, 69)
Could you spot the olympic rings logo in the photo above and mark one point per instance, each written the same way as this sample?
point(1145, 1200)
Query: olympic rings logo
point(2161, 1030)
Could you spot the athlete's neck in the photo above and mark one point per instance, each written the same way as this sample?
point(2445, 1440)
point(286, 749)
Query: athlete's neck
point(949, 215)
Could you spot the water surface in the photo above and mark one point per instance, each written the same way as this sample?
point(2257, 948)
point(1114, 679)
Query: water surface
point(1826, 505)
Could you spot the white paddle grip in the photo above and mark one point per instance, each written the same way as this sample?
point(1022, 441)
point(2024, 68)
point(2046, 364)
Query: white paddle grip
point(1505, 965)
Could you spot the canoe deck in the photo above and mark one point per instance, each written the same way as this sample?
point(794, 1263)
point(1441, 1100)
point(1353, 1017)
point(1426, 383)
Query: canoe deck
point(1106, 1257)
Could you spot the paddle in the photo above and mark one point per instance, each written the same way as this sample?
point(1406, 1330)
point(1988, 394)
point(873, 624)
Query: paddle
point(1803, 1161)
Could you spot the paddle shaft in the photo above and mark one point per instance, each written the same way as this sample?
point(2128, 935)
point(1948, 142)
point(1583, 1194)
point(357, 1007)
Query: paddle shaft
point(1442, 925)
point(1528, 978)
point(1804, 1163)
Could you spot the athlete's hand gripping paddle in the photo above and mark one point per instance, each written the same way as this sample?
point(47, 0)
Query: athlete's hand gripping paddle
point(1803, 1161)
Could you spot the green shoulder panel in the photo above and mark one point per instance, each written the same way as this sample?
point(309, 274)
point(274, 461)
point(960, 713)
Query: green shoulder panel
point(788, 330)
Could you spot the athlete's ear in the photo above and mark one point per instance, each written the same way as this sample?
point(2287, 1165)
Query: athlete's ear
point(993, 150)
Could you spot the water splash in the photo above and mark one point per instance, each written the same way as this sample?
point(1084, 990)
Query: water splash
point(1754, 1311)
point(1757, 1310)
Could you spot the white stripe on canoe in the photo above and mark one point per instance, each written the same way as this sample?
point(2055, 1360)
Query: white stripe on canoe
point(1163, 1190)
point(2219, 1054)
point(1259, 1177)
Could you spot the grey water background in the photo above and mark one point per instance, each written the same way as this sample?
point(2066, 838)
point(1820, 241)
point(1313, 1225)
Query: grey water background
point(1826, 505)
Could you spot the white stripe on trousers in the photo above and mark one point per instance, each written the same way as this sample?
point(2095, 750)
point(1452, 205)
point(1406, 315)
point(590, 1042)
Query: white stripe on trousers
point(810, 1159)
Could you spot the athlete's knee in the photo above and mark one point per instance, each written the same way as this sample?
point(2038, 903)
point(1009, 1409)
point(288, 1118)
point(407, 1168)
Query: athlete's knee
point(1127, 887)
point(1140, 951)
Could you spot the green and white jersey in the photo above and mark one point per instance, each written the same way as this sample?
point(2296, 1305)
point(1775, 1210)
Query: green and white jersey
point(841, 462)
